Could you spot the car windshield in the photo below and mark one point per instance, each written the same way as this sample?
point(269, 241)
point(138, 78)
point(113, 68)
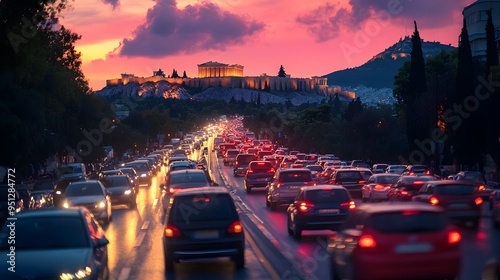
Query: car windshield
point(70, 170)
point(245, 158)
point(83, 190)
point(42, 233)
point(455, 189)
point(477, 178)
point(408, 221)
point(327, 195)
point(187, 177)
point(295, 177)
point(387, 179)
point(196, 208)
point(118, 181)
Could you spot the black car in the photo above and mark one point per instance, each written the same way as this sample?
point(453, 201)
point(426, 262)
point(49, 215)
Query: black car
point(353, 179)
point(241, 164)
point(259, 174)
point(211, 230)
point(45, 188)
point(28, 200)
point(319, 207)
point(61, 187)
point(55, 243)
point(121, 188)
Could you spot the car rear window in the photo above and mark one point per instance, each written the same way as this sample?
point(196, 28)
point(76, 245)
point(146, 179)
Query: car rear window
point(455, 189)
point(387, 179)
point(245, 158)
point(295, 176)
point(349, 176)
point(324, 196)
point(233, 153)
point(187, 178)
point(197, 208)
point(408, 221)
point(83, 190)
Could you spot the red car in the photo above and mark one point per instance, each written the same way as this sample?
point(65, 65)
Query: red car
point(396, 240)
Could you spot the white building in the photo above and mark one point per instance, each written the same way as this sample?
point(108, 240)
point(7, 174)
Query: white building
point(475, 19)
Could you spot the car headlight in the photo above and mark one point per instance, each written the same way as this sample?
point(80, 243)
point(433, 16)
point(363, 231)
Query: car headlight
point(127, 192)
point(66, 204)
point(58, 192)
point(101, 204)
point(144, 175)
point(80, 274)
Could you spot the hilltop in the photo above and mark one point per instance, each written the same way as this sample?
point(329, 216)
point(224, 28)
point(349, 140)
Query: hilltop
point(379, 71)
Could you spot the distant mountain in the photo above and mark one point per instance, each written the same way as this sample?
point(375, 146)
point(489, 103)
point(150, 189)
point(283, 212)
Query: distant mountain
point(380, 70)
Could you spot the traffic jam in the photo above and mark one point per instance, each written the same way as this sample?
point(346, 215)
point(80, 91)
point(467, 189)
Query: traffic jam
point(223, 203)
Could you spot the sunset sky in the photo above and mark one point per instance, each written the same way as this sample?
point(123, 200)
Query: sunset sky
point(309, 38)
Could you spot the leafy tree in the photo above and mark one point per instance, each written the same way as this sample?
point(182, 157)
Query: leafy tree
point(354, 108)
point(281, 72)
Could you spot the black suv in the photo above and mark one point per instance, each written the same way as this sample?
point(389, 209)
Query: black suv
point(203, 223)
point(258, 174)
point(241, 164)
point(353, 179)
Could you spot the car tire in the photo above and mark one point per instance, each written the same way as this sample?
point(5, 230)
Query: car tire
point(132, 204)
point(239, 260)
point(273, 205)
point(288, 226)
point(297, 232)
point(267, 201)
point(248, 189)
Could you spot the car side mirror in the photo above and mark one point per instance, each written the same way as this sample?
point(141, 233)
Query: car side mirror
point(101, 242)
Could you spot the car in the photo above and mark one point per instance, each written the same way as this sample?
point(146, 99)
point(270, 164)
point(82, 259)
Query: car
point(46, 188)
point(74, 171)
point(229, 156)
point(91, 195)
point(379, 168)
point(416, 169)
point(61, 186)
point(406, 187)
point(285, 186)
point(377, 186)
point(288, 161)
point(105, 173)
point(241, 164)
point(134, 177)
point(360, 163)
point(121, 190)
point(380, 241)
point(258, 174)
point(353, 179)
point(478, 179)
point(28, 200)
point(460, 199)
point(55, 243)
point(183, 179)
point(317, 208)
point(395, 169)
point(143, 170)
point(495, 208)
point(211, 228)
point(178, 153)
point(40, 201)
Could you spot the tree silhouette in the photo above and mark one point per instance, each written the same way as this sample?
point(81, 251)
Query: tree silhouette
point(282, 72)
point(174, 74)
point(184, 75)
point(491, 46)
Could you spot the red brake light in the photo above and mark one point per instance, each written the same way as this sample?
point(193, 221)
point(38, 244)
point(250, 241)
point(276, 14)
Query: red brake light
point(418, 182)
point(404, 192)
point(378, 187)
point(250, 171)
point(454, 237)
point(261, 163)
point(278, 185)
point(410, 212)
point(303, 206)
point(172, 231)
point(366, 241)
point(235, 227)
point(361, 182)
point(271, 171)
point(427, 172)
point(478, 201)
point(351, 204)
point(481, 188)
point(434, 201)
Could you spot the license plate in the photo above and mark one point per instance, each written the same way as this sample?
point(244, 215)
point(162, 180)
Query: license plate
point(206, 234)
point(328, 211)
point(458, 205)
point(413, 248)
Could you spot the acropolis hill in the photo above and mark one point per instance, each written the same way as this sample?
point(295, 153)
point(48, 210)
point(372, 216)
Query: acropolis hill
point(213, 74)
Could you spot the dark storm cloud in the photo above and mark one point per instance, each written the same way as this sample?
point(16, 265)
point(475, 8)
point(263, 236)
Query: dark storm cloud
point(326, 21)
point(113, 3)
point(199, 27)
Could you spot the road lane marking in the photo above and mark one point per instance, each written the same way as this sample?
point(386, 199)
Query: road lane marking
point(145, 225)
point(139, 239)
point(124, 273)
point(272, 272)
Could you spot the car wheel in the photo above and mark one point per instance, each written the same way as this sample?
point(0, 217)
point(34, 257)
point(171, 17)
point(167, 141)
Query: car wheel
point(132, 204)
point(267, 200)
point(248, 189)
point(239, 260)
point(297, 232)
point(288, 226)
point(273, 205)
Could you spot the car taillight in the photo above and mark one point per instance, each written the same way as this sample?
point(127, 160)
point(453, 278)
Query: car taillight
point(250, 171)
point(172, 231)
point(378, 187)
point(235, 227)
point(454, 237)
point(361, 182)
point(351, 204)
point(366, 241)
point(404, 192)
point(278, 185)
point(235, 163)
point(304, 206)
point(271, 171)
point(434, 201)
point(427, 172)
point(172, 190)
point(481, 188)
point(478, 201)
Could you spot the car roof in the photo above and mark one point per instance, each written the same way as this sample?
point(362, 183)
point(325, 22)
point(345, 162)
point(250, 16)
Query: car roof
point(449, 182)
point(186, 171)
point(386, 175)
point(201, 190)
point(51, 212)
point(323, 187)
point(295, 169)
point(387, 207)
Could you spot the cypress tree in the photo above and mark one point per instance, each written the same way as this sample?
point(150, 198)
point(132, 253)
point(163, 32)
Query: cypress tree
point(281, 72)
point(491, 46)
point(416, 127)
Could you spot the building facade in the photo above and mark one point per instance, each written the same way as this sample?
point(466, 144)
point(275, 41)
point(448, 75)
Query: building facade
point(475, 19)
point(215, 69)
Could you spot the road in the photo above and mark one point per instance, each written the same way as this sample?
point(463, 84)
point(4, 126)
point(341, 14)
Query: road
point(136, 248)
